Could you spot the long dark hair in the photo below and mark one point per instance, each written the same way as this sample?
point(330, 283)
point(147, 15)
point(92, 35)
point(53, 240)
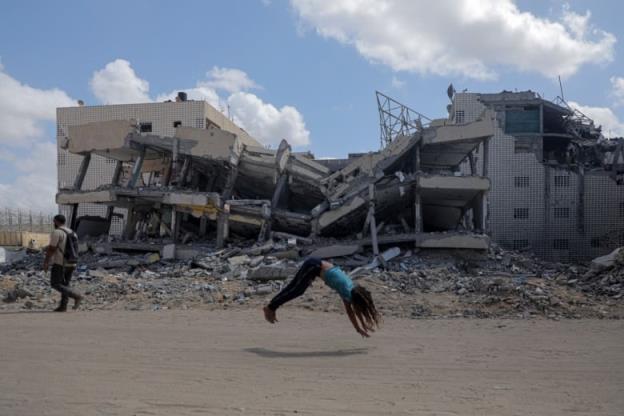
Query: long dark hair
point(362, 302)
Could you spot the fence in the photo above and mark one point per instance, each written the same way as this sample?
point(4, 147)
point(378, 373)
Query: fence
point(21, 220)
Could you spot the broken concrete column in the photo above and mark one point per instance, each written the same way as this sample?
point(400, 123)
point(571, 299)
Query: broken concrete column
point(373, 224)
point(203, 225)
point(136, 168)
point(222, 225)
point(418, 223)
point(82, 172)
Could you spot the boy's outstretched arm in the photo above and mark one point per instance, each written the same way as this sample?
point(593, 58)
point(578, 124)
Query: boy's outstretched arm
point(353, 319)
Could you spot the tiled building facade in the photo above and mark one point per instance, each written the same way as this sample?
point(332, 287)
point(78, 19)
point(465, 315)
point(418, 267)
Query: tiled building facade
point(556, 212)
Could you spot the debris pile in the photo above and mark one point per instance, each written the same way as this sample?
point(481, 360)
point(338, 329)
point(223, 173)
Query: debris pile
point(605, 275)
point(405, 282)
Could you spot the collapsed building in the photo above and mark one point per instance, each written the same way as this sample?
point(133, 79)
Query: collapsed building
point(529, 173)
point(212, 179)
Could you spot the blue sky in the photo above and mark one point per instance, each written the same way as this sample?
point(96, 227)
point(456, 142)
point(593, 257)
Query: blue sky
point(323, 60)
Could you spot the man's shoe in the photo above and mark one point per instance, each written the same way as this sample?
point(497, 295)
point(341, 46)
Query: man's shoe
point(60, 309)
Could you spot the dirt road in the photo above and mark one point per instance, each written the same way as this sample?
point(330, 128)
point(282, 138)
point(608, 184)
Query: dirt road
point(233, 363)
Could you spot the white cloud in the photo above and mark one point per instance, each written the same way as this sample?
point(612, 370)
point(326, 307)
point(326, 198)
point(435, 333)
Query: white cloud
point(261, 120)
point(602, 116)
point(228, 79)
point(397, 83)
point(24, 110)
point(267, 123)
point(198, 93)
point(117, 83)
point(618, 89)
point(459, 37)
point(35, 187)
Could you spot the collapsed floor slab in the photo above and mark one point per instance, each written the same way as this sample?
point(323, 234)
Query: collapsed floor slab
point(243, 188)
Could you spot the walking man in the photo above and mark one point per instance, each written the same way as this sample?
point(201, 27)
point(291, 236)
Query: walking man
point(63, 257)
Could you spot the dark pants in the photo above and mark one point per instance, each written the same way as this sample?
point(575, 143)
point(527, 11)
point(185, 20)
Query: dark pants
point(60, 278)
point(309, 270)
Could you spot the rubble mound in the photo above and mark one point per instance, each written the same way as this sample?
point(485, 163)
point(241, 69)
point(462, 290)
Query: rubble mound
point(409, 283)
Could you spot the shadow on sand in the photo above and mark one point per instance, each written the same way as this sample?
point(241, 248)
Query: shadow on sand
point(266, 353)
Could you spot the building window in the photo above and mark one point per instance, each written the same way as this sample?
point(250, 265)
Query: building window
point(521, 213)
point(561, 244)
point(561, 212)
point(520, 244)
point(521, 181)
point(177, 124)
point(145, 127)
point(460, 116)
point(199, 123)
point(595, 242)
point(526, 120)
point(563, 181)
point(622, 209)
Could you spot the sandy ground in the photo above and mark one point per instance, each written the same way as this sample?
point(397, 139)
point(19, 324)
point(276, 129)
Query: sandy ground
point(232, 363)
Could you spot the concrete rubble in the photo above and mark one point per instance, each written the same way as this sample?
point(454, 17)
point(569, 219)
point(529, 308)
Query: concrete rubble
point(411, 283)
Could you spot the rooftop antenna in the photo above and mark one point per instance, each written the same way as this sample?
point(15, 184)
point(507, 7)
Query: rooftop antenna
point(561, 87)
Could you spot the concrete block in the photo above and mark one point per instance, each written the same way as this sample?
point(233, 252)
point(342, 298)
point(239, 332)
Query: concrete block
point(168, 251)
point(239, 260)
point(268, 273)
point(8, 256)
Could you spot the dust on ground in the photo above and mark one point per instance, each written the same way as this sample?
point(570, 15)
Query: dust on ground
point(312, 363)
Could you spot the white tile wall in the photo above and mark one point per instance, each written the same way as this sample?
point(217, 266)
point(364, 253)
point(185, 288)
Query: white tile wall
point(602, 197)
point(161, 115)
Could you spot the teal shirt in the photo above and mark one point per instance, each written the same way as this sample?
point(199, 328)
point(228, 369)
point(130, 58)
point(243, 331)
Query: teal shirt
point(340, 282)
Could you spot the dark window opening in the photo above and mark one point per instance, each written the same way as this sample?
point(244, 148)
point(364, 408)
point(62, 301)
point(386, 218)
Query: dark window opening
point(145, 127)
point(560, 212)
point(622, 209)
point(520, 244)
point(595, 242)
point(521, 181)
point(526, 120)
point(177, 124)
point(561, 244)
point(459, 116)
point(556, 149)
point(521, 213)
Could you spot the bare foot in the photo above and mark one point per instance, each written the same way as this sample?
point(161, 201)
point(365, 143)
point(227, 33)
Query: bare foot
point(269, 314)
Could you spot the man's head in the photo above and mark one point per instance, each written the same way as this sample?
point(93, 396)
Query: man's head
point(59, 221)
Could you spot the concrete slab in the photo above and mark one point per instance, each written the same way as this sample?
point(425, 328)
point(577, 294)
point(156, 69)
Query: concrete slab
point(100, 136)
point(453, 133)
point(336, 250)
point(453, 241)
point(329, 217)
